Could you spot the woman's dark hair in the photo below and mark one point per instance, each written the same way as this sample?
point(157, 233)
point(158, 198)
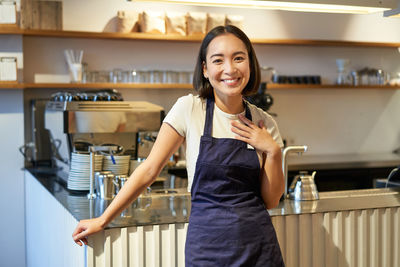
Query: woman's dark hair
point(202, 85)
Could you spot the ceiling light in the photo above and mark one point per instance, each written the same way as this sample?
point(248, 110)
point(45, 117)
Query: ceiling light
point(332, 6)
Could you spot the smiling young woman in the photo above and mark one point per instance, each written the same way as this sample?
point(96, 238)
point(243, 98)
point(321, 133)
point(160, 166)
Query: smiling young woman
point(233, 160)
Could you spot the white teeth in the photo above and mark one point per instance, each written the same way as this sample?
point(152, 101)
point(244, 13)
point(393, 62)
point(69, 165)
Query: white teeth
point(230, 81)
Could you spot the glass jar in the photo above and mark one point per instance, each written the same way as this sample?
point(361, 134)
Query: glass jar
point(103, 77)
point(115, 76)
point(156, 76)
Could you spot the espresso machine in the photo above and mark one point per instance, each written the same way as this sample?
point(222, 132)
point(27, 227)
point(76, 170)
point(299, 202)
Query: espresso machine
point(74, 126)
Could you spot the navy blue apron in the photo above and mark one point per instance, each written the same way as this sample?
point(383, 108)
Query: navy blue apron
point(229, 224)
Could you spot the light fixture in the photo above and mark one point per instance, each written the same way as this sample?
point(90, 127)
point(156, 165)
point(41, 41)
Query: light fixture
point(394, 13)
point(329, 6)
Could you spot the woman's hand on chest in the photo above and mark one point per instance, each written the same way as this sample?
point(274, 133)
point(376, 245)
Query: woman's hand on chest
point(255, 135)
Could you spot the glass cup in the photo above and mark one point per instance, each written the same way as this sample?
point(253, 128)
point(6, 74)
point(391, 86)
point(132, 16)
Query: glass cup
point(74, 61)
point(116, 76)
point(184, 77)
point(171, 77)
point(134, 76)
point(125, 76)
point(85, 73)
point(144, 76)
point(93, 76)
point(156, 76)
point(75, 72)
point(103, 77)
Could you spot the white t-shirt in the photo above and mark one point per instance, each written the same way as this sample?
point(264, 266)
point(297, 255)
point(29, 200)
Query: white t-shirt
point(187, 117)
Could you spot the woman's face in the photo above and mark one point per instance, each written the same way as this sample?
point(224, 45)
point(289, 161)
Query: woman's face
point(227, 65)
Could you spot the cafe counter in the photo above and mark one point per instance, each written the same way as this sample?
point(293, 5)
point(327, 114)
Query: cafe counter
point(343, 228)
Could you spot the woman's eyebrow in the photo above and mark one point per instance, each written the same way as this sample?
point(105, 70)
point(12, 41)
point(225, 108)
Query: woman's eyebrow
point(234, 54)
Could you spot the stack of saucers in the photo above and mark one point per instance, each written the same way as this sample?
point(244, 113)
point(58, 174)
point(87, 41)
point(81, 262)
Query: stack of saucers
point(121, 166)
point(79, 172)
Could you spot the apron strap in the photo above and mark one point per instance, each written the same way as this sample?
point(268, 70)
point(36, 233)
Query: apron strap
point(248, 113)
point(209, 117)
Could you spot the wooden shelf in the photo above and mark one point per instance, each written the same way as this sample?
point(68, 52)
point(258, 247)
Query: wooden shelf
point(323, 43)
point(10, 29)
point(103, 35)
point(179, 38)
point(109, 85)
point(11, 85)
point(328, 86)
point(165, 86)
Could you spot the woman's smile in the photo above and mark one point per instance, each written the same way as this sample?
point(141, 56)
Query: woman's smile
point(231, 82)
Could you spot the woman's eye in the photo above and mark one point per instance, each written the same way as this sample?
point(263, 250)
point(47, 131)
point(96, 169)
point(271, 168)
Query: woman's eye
point(239, 58)
point(216, 61)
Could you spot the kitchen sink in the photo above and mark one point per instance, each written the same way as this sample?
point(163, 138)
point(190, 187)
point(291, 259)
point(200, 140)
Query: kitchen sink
point(168, 192)
point(164, 200)
point(358, 193)
point(165, 191)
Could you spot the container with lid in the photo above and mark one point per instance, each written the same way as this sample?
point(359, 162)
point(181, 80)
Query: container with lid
point(303, 187)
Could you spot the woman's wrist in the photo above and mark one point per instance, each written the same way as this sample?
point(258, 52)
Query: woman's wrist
point(103, 221)
point(274, 151)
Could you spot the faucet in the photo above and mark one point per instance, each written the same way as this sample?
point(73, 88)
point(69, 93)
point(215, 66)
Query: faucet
point(285, 153)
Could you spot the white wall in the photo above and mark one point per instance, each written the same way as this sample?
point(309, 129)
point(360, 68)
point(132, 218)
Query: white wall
point(85, 15)
point(12, 222)
point(328, 120)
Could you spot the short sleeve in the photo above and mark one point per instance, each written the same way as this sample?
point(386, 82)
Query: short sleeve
point(269, 123)
point(272, 128)
point(177, 117)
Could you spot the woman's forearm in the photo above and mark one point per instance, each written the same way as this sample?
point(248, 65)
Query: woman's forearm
point(168, 141)
point(272, 181)
point(136, 184)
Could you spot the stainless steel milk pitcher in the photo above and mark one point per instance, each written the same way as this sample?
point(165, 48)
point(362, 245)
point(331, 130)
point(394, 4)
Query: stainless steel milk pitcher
point(105, 188)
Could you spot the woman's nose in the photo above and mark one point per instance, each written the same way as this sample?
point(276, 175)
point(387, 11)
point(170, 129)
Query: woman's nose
point(229, 67)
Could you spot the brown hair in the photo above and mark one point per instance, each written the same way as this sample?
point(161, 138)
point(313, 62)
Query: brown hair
point(202, 85)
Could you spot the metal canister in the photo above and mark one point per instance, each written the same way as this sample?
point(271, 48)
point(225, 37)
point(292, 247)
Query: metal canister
point(119, 181)
point(105, 187)
point(96, 175)
point(355, 78)
point(381, 77)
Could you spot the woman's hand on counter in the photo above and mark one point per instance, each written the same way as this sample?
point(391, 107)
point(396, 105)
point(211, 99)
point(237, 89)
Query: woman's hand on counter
point(86, 228)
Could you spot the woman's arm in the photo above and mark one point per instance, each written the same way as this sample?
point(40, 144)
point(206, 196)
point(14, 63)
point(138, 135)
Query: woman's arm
point(272, 181)
point(168, 141)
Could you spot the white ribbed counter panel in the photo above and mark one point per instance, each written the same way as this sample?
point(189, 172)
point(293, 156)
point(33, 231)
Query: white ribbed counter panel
point(154, 245)
point(360, 238)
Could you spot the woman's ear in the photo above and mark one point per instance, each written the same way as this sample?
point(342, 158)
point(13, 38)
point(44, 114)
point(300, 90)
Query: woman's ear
point(205, 74)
